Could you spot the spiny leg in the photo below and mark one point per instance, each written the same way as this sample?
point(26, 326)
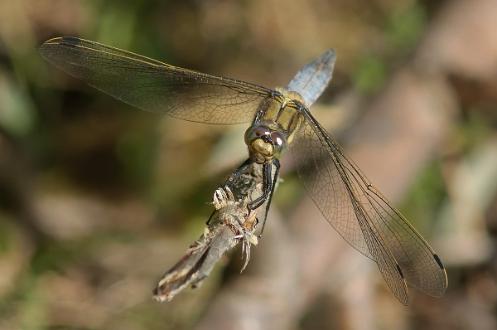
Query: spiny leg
point(208, 223)
point(269, 182)
point(270, 198)
point(238, 172)
point(266, 187)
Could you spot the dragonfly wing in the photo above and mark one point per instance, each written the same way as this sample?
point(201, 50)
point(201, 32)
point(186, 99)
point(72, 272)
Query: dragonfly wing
point(155, 86)
point(364, 217)
point(312, 79)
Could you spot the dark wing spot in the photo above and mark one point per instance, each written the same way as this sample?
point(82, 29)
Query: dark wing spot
point(439, 262)
point(71, 41)
point(399, 270)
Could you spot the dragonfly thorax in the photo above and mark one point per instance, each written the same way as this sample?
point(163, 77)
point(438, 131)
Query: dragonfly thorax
point(264, 143)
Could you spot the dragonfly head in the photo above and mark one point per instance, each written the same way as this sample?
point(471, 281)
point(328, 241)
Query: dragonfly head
point(264, 143)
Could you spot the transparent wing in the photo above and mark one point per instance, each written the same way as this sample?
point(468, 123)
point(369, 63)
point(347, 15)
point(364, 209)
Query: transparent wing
point(312, 79)
point(155, 86)
point(362, 216)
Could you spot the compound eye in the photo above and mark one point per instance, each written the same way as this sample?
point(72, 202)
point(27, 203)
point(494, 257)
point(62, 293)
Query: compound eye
point(277, 138)
point(258, 132)
point(261, 131)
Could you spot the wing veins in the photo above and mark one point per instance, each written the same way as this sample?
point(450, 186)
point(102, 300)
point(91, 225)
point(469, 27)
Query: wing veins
point(385, 231)
point(156, 86)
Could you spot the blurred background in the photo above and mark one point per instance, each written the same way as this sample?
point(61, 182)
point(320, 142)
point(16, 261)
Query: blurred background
point(98, 199)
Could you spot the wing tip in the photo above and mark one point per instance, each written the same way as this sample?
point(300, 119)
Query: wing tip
point(400, 271)
point(403, 298)
point(329, 57)
point(439, 261)
point(55, 40)
point(70, 41)
point(446, 280)
point(330, 53)
point(439, 283)
point(64, 41)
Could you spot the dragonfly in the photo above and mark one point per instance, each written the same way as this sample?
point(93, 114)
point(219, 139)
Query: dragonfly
point(280, 120)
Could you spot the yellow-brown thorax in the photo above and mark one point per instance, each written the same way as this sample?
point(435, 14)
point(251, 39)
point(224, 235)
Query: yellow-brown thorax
point(274, 126)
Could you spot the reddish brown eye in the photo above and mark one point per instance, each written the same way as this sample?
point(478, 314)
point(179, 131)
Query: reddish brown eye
point(260, 131)
point(277, 138)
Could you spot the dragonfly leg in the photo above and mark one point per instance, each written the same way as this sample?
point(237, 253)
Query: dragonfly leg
point(210, 218)
point(273, 185)
point(266, 187)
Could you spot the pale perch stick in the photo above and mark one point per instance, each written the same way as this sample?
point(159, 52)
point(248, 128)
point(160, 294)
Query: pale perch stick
point(230, 224)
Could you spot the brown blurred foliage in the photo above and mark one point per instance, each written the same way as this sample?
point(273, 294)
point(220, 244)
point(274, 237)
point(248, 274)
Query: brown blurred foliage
point(97, 199)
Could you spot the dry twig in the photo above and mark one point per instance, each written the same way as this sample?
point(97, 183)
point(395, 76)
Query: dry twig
point(231, 223)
